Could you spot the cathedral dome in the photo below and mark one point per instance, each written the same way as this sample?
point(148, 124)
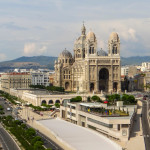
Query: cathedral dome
point(91, 35)
point(66, 53)
point(102, 53)
point(114, 36)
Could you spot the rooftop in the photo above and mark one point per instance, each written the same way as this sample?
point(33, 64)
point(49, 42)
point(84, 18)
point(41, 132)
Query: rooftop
point(94, 105)
point(77, 137)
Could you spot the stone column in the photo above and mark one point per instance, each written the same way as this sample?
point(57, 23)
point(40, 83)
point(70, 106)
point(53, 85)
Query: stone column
point(119, 77)
point(72, 79)
point(111, 76)
point(97, 76)
point(88, 76)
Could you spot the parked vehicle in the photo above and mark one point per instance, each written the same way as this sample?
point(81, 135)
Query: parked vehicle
point(145, 97)
point(8, 109)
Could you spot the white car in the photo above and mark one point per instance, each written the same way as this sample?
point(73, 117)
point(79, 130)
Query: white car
point(8, 109)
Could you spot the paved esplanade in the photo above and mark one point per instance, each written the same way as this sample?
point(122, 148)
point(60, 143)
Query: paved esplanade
point(77, 137)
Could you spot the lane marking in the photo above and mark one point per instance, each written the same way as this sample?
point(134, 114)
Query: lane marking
point(4, 142)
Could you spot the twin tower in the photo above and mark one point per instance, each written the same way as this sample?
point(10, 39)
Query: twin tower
point(90, 69)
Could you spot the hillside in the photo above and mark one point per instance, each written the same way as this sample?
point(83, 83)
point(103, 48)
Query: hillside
point(36, 62)
point(136, 60)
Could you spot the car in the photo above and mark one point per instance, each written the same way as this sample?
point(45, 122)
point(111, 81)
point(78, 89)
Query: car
point(24, 120)
point(19, 108)
point(8, 109)
point(145, 97)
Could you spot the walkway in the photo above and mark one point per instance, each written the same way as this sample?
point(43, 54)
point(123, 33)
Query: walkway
point(136, 141)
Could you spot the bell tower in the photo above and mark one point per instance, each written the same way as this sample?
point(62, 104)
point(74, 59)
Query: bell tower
point(113, 44)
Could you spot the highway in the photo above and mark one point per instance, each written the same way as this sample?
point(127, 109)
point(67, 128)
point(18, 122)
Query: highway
point(146, 129)
point(7, 141)
point(48, 143)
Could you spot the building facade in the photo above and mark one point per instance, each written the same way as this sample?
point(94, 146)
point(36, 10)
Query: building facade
point(89, 69)
point(124, 70)
point(15, 80)
point(116, 127)
point(40, 78)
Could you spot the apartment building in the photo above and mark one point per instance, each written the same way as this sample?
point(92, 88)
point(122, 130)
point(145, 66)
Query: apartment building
point(15, 80)
point(40, 78)
point(117, 127)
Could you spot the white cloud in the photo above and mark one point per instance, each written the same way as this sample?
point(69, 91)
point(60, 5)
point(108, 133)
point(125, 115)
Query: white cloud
point(2, 56)
point(129, 35)
point(31, 49)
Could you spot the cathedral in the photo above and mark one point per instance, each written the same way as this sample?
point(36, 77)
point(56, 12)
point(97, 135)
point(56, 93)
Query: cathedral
point(88, 69)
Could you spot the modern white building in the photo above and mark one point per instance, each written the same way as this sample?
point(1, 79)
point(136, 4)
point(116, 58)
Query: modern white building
point(84, 114)
point(124, 70)
point(40, 78)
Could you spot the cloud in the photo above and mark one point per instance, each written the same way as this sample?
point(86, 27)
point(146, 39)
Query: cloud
point(58, 4)
point(31, 49)
point(129, 35)
point(2, 56)
point(12, 25)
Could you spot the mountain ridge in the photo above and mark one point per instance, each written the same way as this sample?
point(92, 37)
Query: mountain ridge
point(36, 62)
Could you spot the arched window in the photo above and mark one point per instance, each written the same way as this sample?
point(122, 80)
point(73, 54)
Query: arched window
point(114, 50)
point(43, 102)
point(57, 101)
point(50, 102)
point(67, 74)
point(90, 50)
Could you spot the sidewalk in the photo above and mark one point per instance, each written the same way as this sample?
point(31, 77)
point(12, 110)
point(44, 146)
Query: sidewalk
point(27, 112)
point(136, 141)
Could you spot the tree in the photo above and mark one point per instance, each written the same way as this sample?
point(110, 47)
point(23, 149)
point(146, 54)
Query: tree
point(128, 99)
point(76, 99)
point(38, 146)
point(95, 98)
point(30, 133)
point(35, 139)
point(57, 105)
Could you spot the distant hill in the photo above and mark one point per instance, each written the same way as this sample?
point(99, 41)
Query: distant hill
point(36, 62)
point(135, 60)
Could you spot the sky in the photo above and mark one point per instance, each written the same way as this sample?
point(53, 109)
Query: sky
point(47, 27)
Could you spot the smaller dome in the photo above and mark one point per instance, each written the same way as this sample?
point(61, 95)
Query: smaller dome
point(91, 35)
point(114, 36)
point(102, 53)
point(66, 53)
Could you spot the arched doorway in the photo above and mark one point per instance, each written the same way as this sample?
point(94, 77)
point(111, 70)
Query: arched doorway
point(103, 79)
point(92, 87)
point(57, 101)
point(115, 85)
point(43, 102)
point(50, 102)
point(67, 86)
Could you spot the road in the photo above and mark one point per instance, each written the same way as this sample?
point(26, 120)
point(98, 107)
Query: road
point(5, 105)
point(146, 129)
point(48, 143)
point(7, 141)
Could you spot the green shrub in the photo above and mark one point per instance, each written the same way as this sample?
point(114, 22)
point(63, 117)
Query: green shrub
point(95, 98)
point(76, 99)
